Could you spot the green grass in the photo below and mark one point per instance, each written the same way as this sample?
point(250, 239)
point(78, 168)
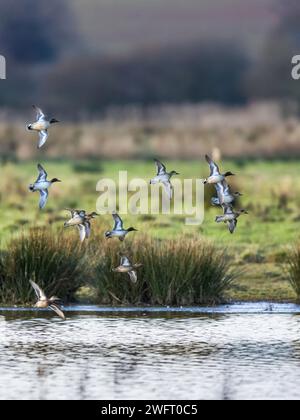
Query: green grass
point(179, 271)
point(293, 269)
point(59, 267)
point(260, 244)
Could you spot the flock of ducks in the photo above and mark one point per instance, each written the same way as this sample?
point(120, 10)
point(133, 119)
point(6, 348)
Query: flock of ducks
point(225, 197)
point(82, 220)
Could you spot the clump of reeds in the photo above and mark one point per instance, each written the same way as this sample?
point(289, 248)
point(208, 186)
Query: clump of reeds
point(293, 269)
point(184, 271)
point(56, 263)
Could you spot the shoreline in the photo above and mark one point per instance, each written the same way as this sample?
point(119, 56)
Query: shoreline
point(240, 307)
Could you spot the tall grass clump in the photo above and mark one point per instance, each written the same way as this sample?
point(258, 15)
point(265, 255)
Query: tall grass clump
point(53, 260)
point(184, 271)
point(293, 269)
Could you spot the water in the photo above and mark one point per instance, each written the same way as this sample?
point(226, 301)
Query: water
point(236, 352)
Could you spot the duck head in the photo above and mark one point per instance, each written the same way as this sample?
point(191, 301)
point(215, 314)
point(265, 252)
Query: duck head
point(55, 180)
point(31, 187)
point(108, 235)
point(53, 121)
point(237, 194)
point(228, 174)
point(29, 127)
point(243, 211)
point(174, 173)
point(132, 229)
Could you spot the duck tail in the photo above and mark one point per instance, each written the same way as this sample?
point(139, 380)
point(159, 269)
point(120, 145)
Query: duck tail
point(54, 299)
point(219, 219)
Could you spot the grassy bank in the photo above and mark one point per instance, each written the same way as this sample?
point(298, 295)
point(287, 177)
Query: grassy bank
point(259, 246)
point(181, 271)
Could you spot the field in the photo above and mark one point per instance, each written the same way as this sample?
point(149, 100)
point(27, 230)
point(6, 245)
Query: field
point(271, 194)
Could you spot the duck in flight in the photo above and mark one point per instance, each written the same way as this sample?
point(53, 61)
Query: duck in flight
point(42, 185)
point(81, 220)
point(41, 125)
point(118, 230)
point(230, 217)
point(127, 267)
point(225, 196)
point(164, 177)
point(215, 175)
point(43, 302)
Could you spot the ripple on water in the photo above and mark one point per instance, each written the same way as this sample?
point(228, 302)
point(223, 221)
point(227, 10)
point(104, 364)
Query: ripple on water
point(203, 357)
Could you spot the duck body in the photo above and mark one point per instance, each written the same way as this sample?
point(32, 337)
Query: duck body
point(77, 218)
point(39, 125)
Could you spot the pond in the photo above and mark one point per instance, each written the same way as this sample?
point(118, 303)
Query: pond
point(249, 351)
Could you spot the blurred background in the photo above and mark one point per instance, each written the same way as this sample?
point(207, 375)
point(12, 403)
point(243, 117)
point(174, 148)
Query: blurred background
point(172, 79)
point(198, 71)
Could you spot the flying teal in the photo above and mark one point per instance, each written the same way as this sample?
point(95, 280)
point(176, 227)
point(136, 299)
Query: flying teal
point(225, 196)
point(81, 220)
point(164, 177)
point(41, 125)
point(127, 267)
point(230, 217)
point(118, 230)
point(42, 185)
point(215, 175)
point(43, 302)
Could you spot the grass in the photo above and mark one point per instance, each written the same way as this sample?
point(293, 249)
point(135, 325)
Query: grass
point(293, 269)
point(175, 272)
point(39, 255)
point(259, 246)
point(180, 271)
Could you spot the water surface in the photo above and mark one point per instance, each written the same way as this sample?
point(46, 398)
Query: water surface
point(145, 354)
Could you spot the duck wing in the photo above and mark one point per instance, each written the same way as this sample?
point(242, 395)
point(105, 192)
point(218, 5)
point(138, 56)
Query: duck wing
point(118, 222)
point(38, 291)
point(42, 174)
point(82, 232)
point(160, 167)
point(76, 213)
point(40, 116)
point(133, 276)
point(232, 225)
point(214, 169)
point(87, 226)
point(43, 198)
point(168, 188)
point(57, 310)
point(72, 211)
point(220, 192)
point(43, 136)
point(125, 262)
point(226, 188)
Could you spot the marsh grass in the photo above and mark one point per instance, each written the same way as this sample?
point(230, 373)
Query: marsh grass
point(54, 262)
point(183, 271)
point(293, 269)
